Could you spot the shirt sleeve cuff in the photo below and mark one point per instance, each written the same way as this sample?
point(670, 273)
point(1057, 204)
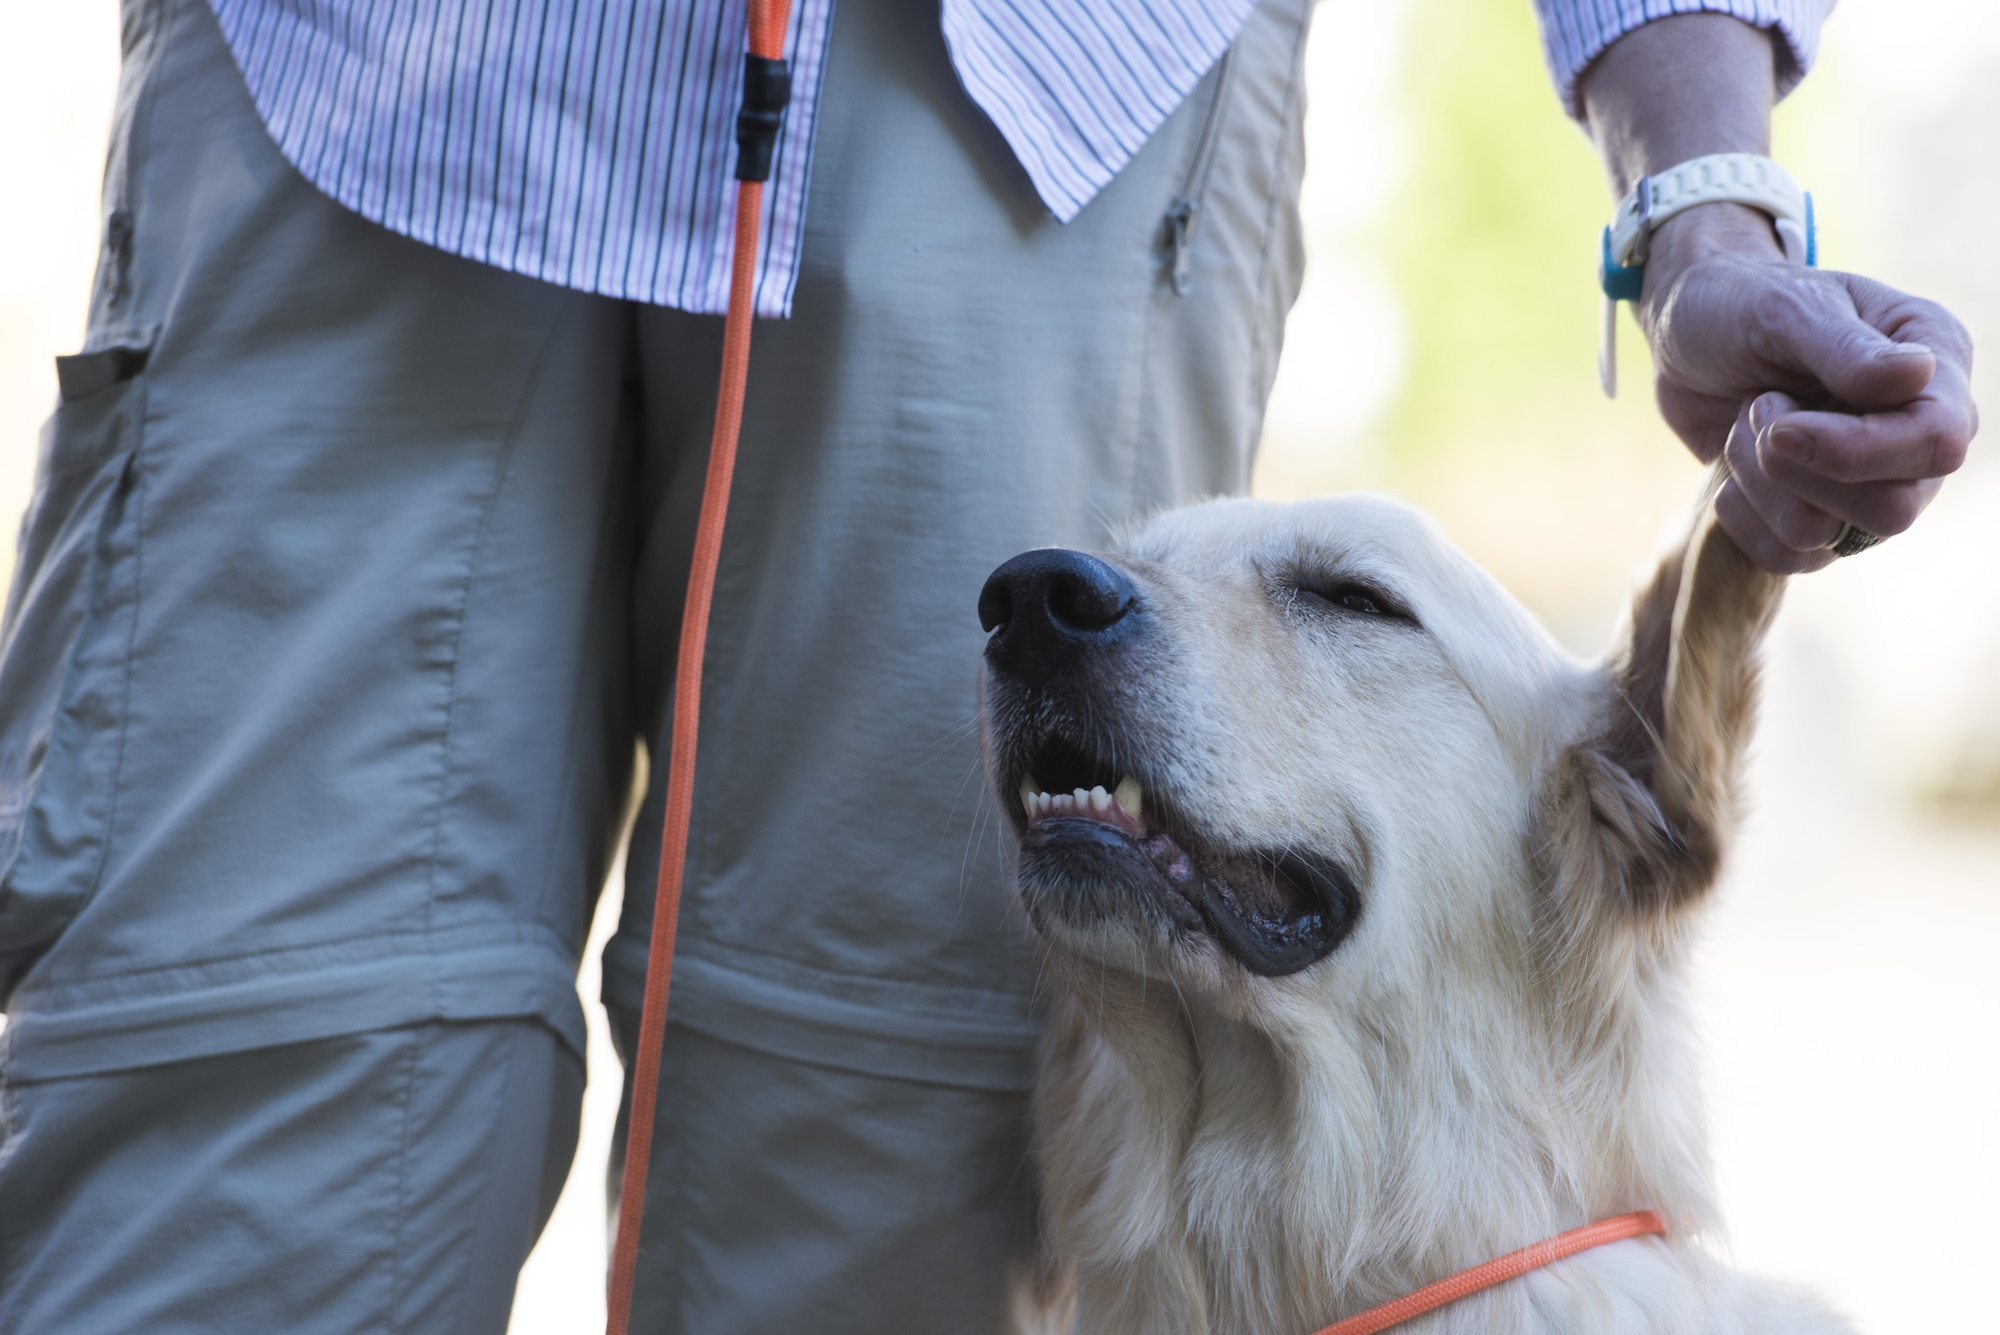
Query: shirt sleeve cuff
point(1575, 32)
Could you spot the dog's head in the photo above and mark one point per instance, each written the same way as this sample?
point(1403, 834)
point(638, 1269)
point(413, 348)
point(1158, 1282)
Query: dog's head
point(1276, 753)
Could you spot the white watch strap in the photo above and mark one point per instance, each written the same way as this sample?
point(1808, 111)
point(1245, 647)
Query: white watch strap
point(1719, 178)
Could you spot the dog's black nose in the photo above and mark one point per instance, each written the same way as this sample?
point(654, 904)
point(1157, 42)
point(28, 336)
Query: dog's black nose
point(1048, 607)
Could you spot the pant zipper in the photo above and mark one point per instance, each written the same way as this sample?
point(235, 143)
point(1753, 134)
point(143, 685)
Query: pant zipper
point(1185, 212)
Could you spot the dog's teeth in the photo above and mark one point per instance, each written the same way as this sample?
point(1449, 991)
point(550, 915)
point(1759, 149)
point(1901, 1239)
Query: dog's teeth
point(1028, 790)
point(1081, 799)
point(1099, 799)
point(1130, 796)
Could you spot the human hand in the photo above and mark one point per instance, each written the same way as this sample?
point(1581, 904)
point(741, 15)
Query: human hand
point(1837, 399)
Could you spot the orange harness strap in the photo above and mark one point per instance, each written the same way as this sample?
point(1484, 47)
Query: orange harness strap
point(768, 19)
point(1498, 1271)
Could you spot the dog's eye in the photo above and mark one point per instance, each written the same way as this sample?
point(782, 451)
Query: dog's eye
point(1354, 600)
point(1352, 597)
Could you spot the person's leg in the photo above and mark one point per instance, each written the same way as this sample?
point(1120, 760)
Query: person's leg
point(810, 1197)
point(313, 687)
point(313, 707)
point(962, 379)
point(391, 1181)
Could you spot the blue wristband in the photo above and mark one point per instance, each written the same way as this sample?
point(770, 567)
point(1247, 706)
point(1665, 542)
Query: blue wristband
point(1620, 282)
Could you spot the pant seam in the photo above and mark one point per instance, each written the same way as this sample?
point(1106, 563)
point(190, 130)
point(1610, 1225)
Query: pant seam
point(1259, 389)
point(9, 1120)
point(611, 533)
point(399, 1212)
point(136, 470)
point(135, 462)
point(515, 1036)
point(460, 616)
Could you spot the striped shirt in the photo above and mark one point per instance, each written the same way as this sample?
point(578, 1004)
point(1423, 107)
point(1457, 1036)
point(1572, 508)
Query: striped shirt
point(591, 143)
point(1575, 32)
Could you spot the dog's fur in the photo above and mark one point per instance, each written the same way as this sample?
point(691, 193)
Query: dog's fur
point(1498, 1049)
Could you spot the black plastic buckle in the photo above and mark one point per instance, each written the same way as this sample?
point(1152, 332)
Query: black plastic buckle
point(767, 90)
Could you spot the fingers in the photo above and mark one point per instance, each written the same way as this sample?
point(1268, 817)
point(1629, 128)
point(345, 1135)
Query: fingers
point(1876, 471)
point(1916, 441)
point(1732, 326)
point(1788, 515)
point(1729, 327)
point(1908, 319)
point(1883, 506)
point(1854, 362)
point(1926, 437)
point(1741, 521)
point(1862, 342)
point(1703, 423)
point(1777, 529)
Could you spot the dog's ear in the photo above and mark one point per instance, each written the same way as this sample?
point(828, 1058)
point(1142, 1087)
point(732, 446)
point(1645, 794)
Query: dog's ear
point(1637, 815)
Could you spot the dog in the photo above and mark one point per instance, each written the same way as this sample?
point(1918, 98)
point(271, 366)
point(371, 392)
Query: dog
point(1364, 912)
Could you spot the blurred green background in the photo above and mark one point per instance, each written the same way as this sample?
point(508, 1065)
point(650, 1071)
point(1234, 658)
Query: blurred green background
point(1483, 239)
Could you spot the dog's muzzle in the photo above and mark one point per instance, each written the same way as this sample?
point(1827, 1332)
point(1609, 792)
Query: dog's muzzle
point(1070, 636)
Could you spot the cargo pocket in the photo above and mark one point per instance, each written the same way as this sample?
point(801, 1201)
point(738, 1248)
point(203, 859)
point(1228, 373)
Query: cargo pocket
point(64, 653)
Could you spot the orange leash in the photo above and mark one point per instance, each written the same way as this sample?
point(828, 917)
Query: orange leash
point(766, 90)
point(1498, 1271)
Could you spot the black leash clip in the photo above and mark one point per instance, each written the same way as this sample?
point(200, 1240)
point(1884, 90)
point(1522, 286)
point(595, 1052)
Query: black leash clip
point(767, 91)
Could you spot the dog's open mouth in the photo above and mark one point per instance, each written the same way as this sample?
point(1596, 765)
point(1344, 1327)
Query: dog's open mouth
point(1063, 782)
point(1096, 844)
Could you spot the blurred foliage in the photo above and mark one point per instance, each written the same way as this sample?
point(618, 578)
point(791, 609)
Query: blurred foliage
point(1491, 241)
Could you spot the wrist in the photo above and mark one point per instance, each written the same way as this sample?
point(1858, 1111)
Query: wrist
point(1724, 214)
point(1677, 88)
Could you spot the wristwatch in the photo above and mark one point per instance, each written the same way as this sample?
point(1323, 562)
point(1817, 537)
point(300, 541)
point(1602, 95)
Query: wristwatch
point(1719, 178)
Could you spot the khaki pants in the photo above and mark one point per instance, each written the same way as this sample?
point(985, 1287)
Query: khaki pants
point(351, 578)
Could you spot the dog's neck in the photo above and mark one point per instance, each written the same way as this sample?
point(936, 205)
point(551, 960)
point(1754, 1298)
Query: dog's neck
point(1210, 1175)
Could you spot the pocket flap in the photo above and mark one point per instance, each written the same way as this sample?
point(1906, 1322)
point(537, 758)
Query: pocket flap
point(86, 373)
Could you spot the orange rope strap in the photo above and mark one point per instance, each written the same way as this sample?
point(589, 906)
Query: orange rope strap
point(1498, 1271)
point(768, 19)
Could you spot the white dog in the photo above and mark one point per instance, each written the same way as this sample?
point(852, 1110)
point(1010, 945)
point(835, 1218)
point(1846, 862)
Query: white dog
point(1364, 912)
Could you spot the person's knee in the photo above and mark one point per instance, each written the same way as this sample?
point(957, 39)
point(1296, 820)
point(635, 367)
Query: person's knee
point(392, 1179)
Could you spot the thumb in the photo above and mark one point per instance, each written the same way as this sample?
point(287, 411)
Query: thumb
point(1825, 339)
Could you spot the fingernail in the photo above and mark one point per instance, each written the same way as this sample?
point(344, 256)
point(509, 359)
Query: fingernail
point(1905, 350)
point(1793, 444)
point(1762, 409)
